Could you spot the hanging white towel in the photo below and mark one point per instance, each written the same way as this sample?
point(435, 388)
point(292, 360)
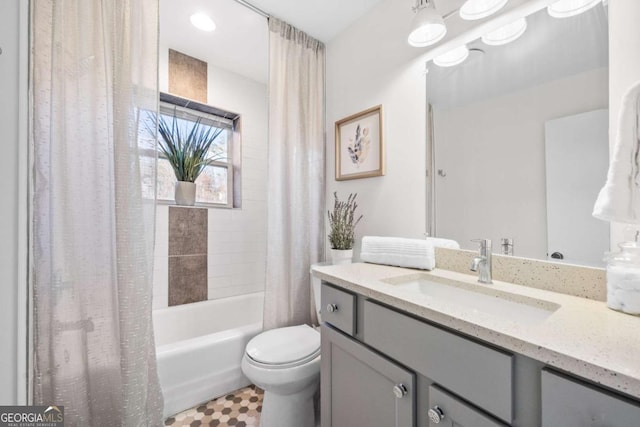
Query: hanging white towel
point(619, 199)
point(411, 253)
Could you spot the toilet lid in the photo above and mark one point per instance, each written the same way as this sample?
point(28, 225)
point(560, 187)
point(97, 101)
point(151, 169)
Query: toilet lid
point(285, 345)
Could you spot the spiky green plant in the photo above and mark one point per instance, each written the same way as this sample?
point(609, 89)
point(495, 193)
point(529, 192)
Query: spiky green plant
point(189, 150)
point(342, 222)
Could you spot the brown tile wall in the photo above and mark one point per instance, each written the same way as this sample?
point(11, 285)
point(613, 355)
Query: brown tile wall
point(187, 255)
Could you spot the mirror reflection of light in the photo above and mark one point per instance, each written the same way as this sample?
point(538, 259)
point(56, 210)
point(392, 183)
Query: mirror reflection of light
point(453, 57)
point(506, 34)
point(478, 9)
point(568, 8)
point(202, 22)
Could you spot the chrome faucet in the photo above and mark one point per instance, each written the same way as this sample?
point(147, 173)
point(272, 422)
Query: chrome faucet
point(482, 263)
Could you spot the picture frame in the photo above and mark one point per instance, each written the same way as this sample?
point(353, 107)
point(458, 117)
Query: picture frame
point(360, 145)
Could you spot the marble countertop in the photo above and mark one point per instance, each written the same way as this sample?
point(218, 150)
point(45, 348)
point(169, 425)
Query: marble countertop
point(582, 336)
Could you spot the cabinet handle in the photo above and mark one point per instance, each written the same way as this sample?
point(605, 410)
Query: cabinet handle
point(436, 414)
point(400, 390)
point(331, 308)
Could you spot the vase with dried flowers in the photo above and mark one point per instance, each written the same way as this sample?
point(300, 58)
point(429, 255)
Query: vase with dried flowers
point(342, 224)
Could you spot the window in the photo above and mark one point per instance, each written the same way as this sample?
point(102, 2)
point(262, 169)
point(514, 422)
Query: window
point(218, 184)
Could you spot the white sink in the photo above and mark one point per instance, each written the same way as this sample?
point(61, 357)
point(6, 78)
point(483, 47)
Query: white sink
point(474, 298)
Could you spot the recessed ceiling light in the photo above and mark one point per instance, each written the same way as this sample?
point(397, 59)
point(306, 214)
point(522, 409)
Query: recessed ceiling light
point(453, 57)
point(506, 34)
point(478, 9)
point(202, 22)
point(568, 8)
point(427, 27)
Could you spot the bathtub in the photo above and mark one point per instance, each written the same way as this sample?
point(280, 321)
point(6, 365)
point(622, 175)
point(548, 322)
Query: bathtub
point(200, 346)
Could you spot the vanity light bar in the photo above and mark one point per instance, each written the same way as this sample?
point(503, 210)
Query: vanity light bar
point(477, 9)
point(427, 27)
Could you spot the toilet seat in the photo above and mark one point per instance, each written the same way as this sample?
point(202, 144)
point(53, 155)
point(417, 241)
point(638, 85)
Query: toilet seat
point(284, 347)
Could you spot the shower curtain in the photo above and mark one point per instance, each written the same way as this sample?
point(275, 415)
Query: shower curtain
point(93, 75)
point(295, 229)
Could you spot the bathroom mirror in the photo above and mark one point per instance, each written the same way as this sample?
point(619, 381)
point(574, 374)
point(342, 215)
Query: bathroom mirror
point(519, 140)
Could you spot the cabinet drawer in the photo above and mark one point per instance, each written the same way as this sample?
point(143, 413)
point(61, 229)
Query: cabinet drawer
point(571, 403)
point(475, 372)
point(454, 412)
point(360, 388)
point(338, 308)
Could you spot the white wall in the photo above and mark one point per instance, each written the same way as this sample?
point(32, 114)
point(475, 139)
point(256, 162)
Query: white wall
point(504, 165)
point(368, 64)
point(13, 25)
point(237, 237)
point(624, 70)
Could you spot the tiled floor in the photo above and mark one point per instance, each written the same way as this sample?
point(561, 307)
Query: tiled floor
point(240, 408)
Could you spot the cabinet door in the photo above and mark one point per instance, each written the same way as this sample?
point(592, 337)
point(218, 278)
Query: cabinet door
point(361, 388)
point(569, 403)
point(447, 410)
point(473, 371)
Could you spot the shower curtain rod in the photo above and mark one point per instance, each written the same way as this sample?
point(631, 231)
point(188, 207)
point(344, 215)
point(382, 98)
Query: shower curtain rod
point(252, 7)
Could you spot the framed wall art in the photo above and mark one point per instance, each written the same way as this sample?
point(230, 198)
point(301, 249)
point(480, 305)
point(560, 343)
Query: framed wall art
point(359, 145)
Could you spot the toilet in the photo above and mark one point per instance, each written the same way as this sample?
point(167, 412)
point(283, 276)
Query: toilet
point(285, 363)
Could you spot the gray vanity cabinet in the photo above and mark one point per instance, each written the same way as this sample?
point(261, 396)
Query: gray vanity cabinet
point(372, 353)
point(448, 411)
point(361, 388)
point(480, 374)
point(567, 402)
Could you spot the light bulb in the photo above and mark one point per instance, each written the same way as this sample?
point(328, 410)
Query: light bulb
point(202, 22)
point(506, 34)
point(453, 57)
point(478, 9)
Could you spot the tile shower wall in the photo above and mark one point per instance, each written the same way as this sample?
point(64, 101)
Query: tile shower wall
point(188, 259)
point(236, 238)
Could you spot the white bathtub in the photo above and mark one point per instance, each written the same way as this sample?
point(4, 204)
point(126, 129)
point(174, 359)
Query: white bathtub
point(200, 347)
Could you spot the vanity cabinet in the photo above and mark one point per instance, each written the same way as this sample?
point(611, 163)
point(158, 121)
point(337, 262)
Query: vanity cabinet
point(384, 367)
point(338, 309)
point(572, 403)
point(447, 410)
point(473, 371)
point(362, 388)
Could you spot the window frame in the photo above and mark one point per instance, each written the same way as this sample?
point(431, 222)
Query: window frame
point(227, 120)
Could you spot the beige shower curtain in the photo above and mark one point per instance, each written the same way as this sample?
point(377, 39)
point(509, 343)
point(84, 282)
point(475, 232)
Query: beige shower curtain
point(93, 71)
point(296, 173)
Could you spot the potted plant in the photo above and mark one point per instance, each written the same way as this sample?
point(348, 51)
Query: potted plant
point(188, 146)
point(342, 224)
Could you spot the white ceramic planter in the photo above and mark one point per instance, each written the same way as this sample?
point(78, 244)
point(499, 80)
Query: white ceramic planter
point(185, 194)
point(341, 256)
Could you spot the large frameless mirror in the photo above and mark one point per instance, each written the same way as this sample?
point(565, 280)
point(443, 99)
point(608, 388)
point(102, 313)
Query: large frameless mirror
point(519, 140)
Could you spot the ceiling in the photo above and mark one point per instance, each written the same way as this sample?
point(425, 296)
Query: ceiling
point(240, 42)
point(322, 19)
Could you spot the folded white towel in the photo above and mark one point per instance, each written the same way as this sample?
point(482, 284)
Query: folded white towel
point(443, 243)
point(619, 199)
point(411, 253)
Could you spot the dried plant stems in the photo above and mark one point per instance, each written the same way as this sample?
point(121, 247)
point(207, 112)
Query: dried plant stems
point(342, 222)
